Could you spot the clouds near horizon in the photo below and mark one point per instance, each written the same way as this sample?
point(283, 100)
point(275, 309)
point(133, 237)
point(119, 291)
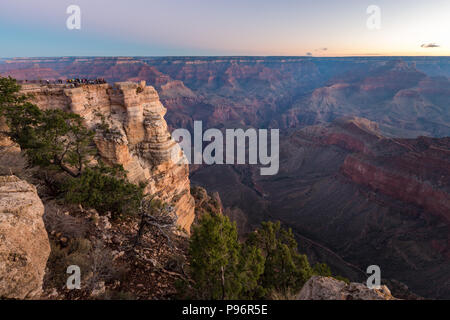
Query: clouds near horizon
point(430, 45)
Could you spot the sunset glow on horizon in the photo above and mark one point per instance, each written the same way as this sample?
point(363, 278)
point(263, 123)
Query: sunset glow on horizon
point(200, 27)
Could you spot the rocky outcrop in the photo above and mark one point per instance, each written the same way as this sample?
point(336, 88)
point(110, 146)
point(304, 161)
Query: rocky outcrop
point(24, 244)
point(131, 131)
point(327, 288)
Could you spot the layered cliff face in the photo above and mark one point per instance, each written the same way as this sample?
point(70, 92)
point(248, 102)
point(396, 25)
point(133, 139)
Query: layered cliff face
point(24, 245)
point(406, 187)
point(415, 171)
point(131, 131)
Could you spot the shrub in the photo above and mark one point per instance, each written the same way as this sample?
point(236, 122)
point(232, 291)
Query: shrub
point(76, 253)
point(93, 258)
point(322, 269)
point(105, 189)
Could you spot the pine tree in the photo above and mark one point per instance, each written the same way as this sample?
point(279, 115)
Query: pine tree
point(220, 266)
point(285, 270)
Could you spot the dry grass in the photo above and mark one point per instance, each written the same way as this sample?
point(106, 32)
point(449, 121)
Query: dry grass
point(276, 295)
point(57, 220)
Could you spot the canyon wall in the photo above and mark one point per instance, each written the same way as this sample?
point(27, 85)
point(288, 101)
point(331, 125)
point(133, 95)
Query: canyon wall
point(128, 119)
point(403, 187)
point(415, 171)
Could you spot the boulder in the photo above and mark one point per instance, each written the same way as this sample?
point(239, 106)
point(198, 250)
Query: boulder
point(24, 244)
point(327, 288)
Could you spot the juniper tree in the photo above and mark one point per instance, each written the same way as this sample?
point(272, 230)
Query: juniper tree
point(50, 138)
point(105, 189)
point(9, 93)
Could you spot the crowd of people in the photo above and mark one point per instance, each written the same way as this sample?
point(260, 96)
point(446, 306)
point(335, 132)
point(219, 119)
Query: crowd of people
point(86, 81)
point(74, 81)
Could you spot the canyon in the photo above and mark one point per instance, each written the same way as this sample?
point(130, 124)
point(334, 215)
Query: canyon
point(407, 96)
point(353, 198)
point(364, 147)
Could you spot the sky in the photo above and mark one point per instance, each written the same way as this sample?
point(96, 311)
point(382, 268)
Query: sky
point(37, 28)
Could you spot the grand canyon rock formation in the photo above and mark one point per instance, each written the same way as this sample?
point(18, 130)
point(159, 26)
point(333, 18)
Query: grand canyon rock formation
point(352, 190)
point(416, 171)
point(131, 131)
point(407, 96)
point(327, 288)
point(24, 245)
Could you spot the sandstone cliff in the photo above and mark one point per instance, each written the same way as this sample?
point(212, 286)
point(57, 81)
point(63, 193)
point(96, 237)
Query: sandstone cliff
point(130, 130)
point(24, 245)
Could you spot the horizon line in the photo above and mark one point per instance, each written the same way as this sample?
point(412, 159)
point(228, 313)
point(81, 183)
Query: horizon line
point(228, 56)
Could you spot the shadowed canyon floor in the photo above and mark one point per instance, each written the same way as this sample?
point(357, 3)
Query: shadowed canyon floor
point(354, 198)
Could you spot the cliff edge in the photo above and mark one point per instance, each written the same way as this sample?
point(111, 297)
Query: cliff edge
point(128, 119)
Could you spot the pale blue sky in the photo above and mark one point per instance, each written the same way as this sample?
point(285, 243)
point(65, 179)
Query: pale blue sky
point(218, 27)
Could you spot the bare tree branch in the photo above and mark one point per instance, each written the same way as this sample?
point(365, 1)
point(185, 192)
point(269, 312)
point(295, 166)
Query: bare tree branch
point(161, 217)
